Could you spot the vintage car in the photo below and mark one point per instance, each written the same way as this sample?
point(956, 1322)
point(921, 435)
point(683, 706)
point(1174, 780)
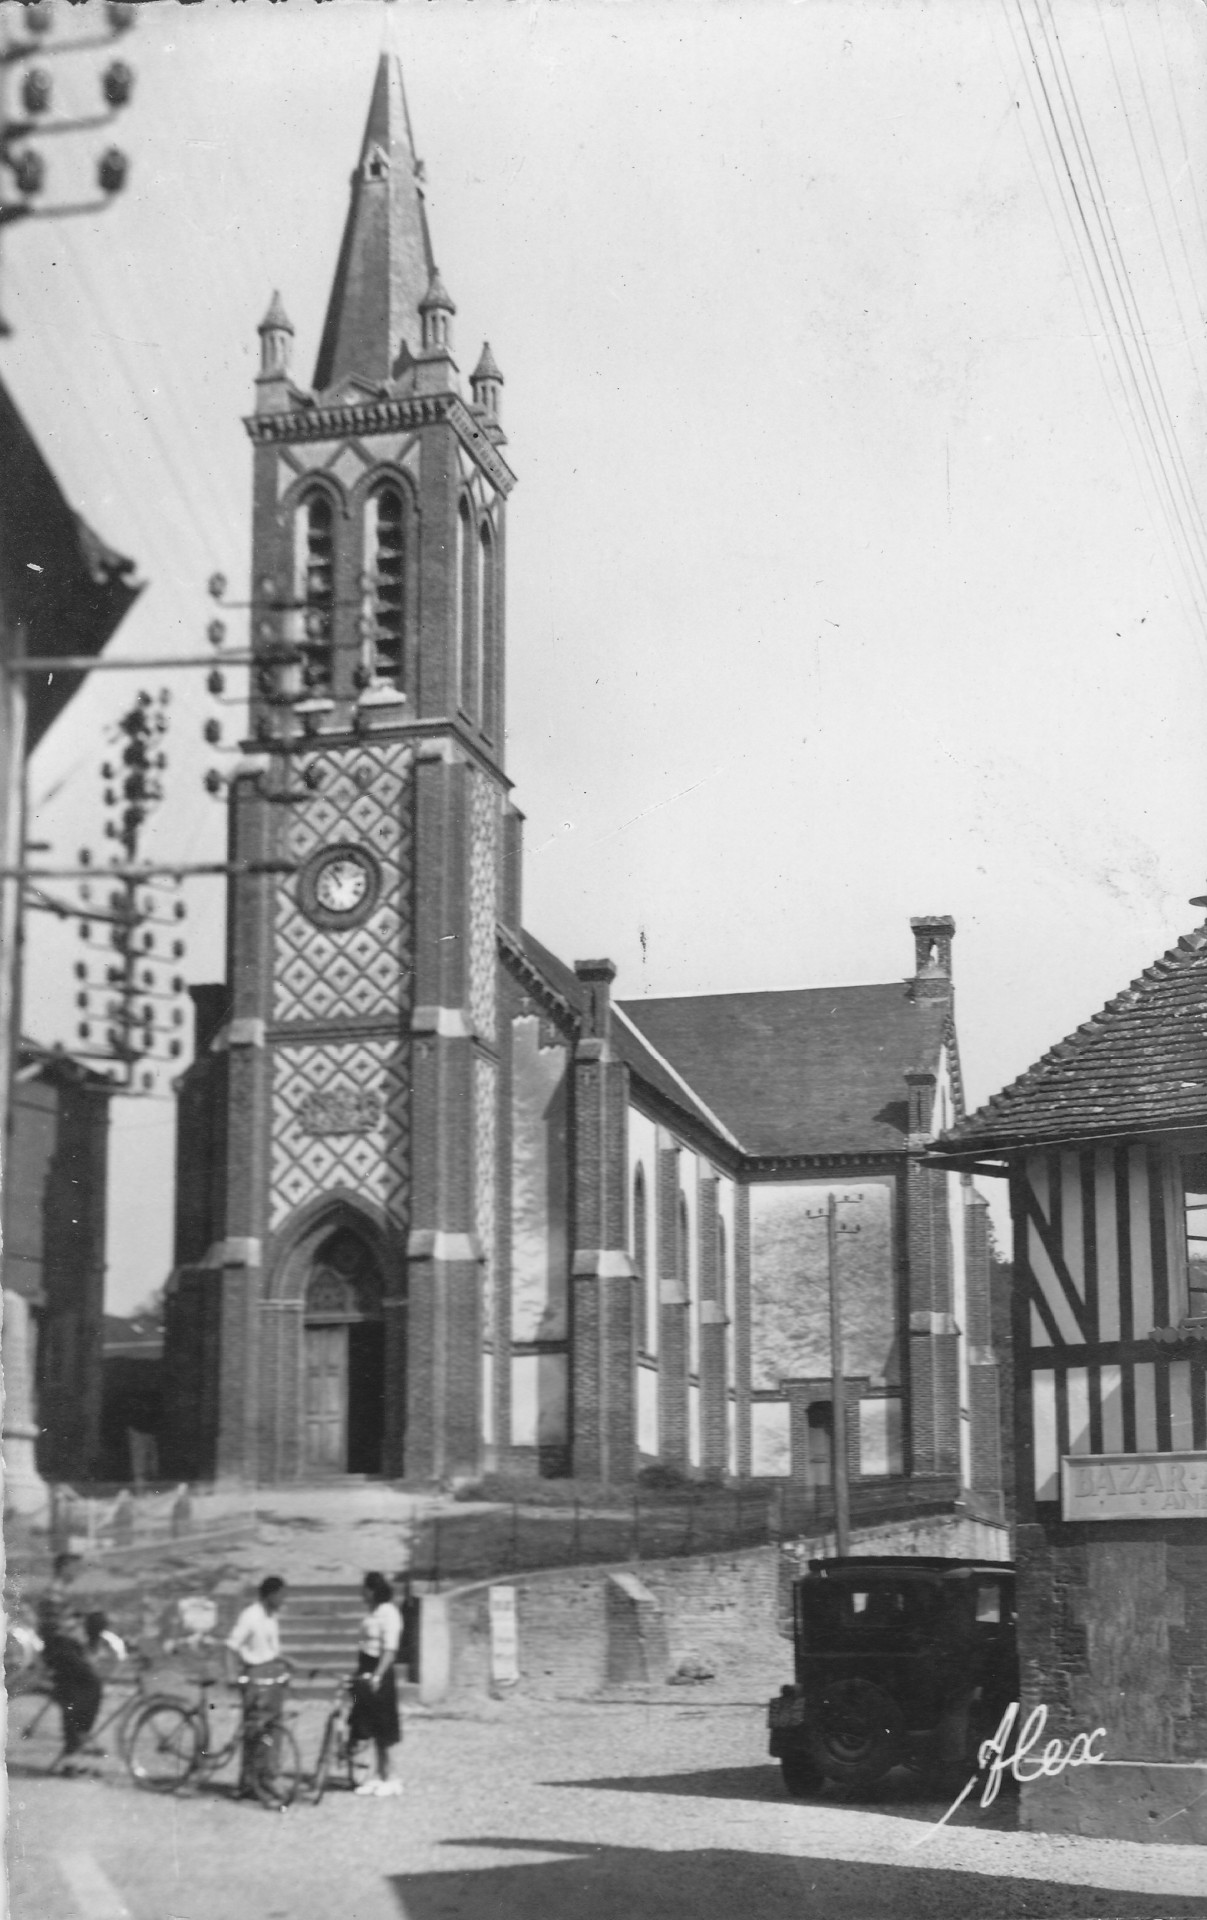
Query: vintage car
point(898, 1661)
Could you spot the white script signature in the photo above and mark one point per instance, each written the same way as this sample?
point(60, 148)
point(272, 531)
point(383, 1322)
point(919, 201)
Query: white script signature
point(1024, 1763)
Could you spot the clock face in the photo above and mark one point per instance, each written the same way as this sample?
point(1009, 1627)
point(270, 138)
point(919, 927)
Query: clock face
point(339, 886)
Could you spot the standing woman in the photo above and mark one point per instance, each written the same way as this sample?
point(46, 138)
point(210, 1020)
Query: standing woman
point(375, 1704)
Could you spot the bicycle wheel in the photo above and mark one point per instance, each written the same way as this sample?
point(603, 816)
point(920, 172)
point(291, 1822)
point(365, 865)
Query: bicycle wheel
point(34, 1735)
point(322, 1766)
point(275, 1767)
point(162, 1745)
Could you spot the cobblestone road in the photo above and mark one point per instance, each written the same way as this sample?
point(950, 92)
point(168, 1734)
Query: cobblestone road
point(567, 1813)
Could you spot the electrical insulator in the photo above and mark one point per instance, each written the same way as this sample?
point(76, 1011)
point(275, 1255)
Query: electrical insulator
point(177, 983)
point(29, 172)
point(177, 1017)
point(181, 910)
point(85, 930)
point(85, 858)
point(85, 1031)
point(212, 781)
point(81, 971)
point(111, 170)
point(148, 941)
point(178, 949)
point(81, 1000)
point(36, 90)
point(174, 1049)
point(215, 681)
point(211, 732)
point(216, 586)
point(117, 84)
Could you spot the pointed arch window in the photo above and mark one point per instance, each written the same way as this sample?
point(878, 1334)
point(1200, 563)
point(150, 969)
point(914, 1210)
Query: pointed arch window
point(488, 647)
point(641, 1258)
point(387, 537)
point(316, 565)
point(467, 547)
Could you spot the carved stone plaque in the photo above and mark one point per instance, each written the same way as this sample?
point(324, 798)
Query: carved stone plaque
point(339, 1110)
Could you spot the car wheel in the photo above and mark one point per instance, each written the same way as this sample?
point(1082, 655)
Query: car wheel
point(801, 1778)
point(855, 1733)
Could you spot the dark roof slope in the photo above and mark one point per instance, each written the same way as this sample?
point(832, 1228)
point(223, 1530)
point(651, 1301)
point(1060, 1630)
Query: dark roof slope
point(813, 1070)
point(1139, 1064)
point(56, 576)
point(633, 1049)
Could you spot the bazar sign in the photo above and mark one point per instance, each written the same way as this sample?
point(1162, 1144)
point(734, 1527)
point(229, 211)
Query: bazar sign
point(1132, 1486)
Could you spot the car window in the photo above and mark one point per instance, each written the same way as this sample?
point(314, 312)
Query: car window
point(989, 1604)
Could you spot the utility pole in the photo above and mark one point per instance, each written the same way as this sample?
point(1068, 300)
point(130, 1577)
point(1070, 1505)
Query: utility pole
point(838, 1384)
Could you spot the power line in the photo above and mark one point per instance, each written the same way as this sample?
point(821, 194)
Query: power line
point(1080, 191)
point(1156, 142)
point(1122, 278)
point(1137, 448)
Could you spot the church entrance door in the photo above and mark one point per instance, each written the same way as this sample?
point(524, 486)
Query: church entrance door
point(326, 1398)
point(344, 1359)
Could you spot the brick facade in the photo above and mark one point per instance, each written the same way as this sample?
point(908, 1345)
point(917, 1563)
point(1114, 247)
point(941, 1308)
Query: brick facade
point(404, 1224)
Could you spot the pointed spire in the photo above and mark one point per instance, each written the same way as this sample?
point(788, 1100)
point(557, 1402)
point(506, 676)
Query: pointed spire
point(276, 320)
point(276, 340)
point(435, 312)
point(385, 260)
point(485, 381)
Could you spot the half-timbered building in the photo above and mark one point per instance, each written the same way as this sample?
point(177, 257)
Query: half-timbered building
point(1104, 1144)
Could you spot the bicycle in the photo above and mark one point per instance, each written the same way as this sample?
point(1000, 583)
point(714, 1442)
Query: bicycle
point(169, 1747)
point(339, 1757)
point(34, 1736)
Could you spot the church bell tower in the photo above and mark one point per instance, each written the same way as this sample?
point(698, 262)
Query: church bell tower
point(357, 1249)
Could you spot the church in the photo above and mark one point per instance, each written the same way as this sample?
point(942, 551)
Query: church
point(446, 1203)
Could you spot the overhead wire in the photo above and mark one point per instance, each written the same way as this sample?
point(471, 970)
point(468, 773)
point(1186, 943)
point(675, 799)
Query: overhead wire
point(1094, 330)
point(1181, 124)
point(1122, 278)
point(1140, 169)
point(1076, 191)
point(1137, 441)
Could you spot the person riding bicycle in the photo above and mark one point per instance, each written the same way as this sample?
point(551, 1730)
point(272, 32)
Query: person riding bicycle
point(76, 1685)
point(256, 1641)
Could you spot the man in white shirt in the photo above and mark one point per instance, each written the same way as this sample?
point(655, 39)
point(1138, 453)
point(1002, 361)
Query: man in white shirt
point(256, 1642)
point(256, 1637)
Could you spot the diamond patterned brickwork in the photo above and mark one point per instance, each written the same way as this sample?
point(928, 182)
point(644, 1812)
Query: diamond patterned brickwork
point(484, 1183)
point(364, 972)
point(483, 903)
point(375, 1162)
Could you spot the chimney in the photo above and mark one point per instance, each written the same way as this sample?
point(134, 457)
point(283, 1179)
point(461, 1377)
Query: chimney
point(597, 976)
point(933, 935)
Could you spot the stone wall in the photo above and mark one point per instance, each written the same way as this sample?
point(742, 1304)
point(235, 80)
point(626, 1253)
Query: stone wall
point(1113, 1633)
point(718, 1613)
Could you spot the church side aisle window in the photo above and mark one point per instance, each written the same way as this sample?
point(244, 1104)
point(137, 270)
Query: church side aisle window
point(467, 554)
point(640, 1258)
point(486, 692)
point(389, 577)
point(318, 585)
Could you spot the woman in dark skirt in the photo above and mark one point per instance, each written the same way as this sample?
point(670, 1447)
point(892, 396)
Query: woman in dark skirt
point(375, 1705)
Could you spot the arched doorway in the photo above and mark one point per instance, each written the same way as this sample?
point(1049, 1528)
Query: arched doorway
point(343, 1357)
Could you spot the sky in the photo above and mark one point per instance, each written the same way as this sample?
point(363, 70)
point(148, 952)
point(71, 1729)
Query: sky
point(853, 361)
